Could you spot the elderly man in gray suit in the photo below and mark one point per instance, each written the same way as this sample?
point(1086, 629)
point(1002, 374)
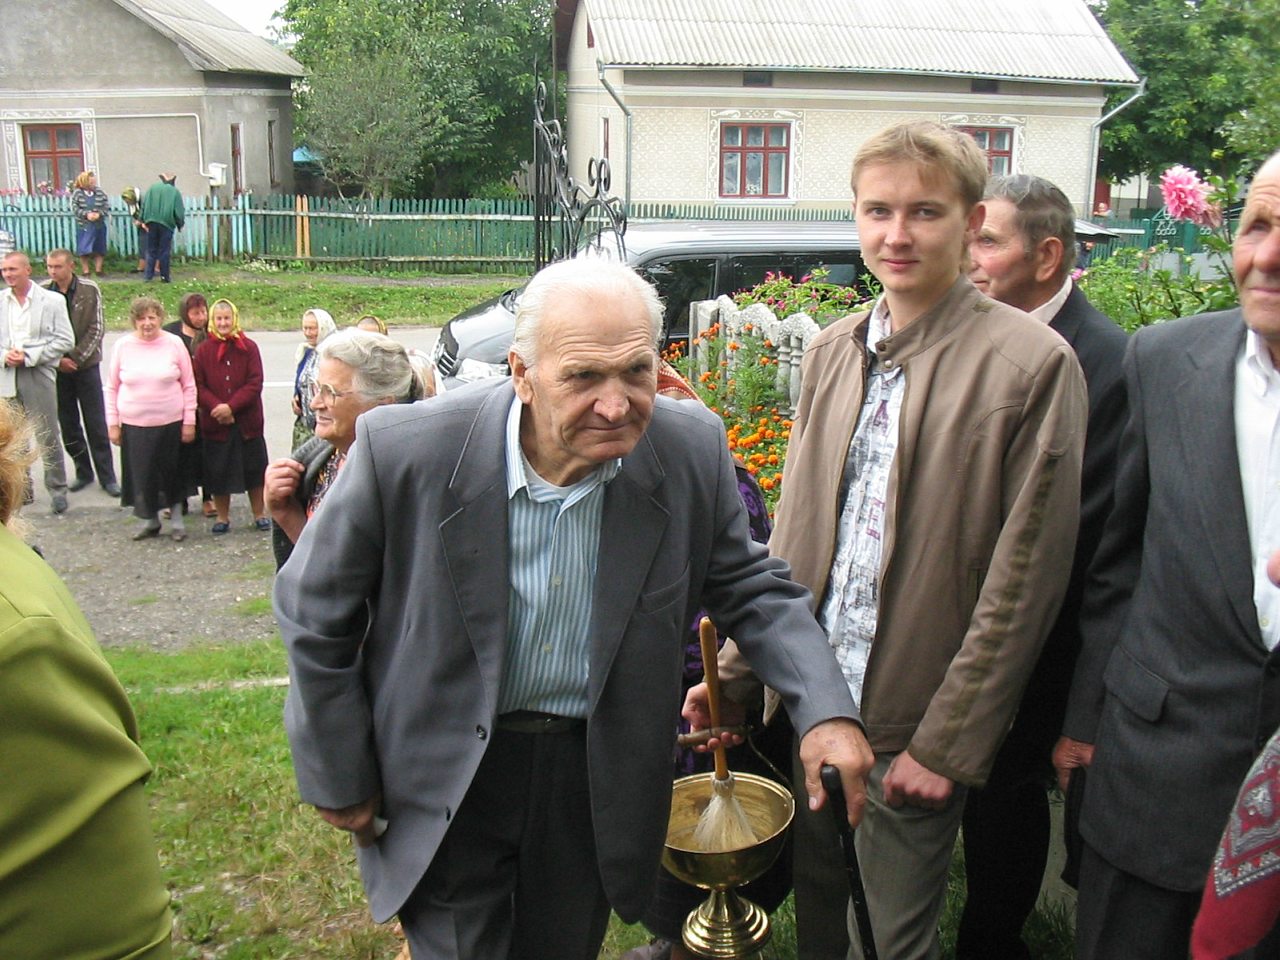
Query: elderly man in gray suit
point(35, 333)
point(486, 625)
point(1178, 683)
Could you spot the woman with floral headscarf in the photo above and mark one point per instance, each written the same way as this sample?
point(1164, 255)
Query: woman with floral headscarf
point(316, 325)
point(228, 369)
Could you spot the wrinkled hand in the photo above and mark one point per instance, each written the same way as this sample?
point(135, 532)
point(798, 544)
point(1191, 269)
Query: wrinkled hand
point(67, 365)
point(188, 433)
point(698, 712)
point(1068, 755)
point(280, 483)
point(357, 819)
point(15, 358)
point(297, 407)
point(841, 743)
point(222, 413)
point(908, 782)
point(113, 434)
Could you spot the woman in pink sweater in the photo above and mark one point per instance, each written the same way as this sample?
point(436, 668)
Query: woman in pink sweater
point(151, 411)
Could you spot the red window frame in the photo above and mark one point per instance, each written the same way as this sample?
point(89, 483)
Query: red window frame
point(736, 156)
point(999, 158)
point(53, 154)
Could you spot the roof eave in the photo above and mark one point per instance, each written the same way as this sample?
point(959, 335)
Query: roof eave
point(882, 71)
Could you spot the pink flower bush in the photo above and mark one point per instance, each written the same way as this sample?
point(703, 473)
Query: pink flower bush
point(1186, 197)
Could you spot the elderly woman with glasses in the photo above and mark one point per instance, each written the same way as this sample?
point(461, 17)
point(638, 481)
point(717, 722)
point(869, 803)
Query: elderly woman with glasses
point(355, 372)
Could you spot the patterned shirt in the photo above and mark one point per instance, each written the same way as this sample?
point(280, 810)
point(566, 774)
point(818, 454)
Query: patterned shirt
point(555, 539)
point(850, 610)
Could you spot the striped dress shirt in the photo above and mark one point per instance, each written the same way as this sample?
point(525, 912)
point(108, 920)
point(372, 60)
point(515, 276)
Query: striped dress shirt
point(555, 537)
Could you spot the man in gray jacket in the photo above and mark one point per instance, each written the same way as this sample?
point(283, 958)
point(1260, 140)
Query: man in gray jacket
point(80, 378)
point(35, 333)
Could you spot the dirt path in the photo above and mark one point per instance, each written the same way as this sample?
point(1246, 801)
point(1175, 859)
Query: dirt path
point(156, 593)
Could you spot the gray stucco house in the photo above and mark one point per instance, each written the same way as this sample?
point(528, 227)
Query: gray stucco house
point(133, 88)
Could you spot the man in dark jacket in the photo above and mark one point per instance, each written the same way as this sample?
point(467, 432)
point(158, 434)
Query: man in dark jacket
point(1023, 256)
point(80, 379)
point(163, 213)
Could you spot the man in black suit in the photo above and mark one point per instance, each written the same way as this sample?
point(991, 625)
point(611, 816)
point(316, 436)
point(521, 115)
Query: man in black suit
point(1023, 256)
point(1178, 683)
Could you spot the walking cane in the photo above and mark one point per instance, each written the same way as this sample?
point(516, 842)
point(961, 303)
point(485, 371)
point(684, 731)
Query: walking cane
point(861, 915)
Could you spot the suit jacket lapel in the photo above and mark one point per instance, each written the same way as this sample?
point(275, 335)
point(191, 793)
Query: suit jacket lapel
point(1206, 420)
point(632, 525)
point(474, 537)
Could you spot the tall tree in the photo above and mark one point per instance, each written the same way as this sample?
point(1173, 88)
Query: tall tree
point(1188, 50)
point(467, 65)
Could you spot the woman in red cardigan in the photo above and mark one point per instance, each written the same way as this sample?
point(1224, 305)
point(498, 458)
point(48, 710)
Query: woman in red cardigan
point(228, 371)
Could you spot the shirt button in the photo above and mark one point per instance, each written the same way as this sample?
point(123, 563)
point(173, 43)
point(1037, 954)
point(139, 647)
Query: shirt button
point(482, 733)
point(1266, 621)
point(556, 581)
point(546, 648)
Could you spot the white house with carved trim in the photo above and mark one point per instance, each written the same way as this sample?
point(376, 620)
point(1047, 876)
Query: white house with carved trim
point(724, 102)
point(133, 88)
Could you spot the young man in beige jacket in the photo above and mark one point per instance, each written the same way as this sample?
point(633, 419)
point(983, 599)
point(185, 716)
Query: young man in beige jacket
point(931, 502)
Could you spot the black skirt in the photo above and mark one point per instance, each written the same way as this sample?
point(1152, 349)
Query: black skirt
point(234, 465)
point(151, 479)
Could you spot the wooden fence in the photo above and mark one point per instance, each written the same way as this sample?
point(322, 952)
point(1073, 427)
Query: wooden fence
point(473, 235)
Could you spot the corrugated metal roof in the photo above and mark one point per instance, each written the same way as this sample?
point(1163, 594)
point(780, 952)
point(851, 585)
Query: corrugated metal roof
point(210, 40)
point(1033, 39)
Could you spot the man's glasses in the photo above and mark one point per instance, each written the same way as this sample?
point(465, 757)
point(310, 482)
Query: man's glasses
point(327, 393)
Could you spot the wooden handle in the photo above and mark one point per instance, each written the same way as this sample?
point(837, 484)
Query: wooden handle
point(711, 671)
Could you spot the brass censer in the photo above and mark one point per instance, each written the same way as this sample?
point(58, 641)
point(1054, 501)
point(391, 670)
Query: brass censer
point(726, 925)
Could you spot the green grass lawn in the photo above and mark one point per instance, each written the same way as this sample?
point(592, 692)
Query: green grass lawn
point(274, 299)
point(254, 872)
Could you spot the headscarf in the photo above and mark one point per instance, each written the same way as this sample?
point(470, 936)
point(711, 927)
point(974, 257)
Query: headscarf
point(324, 321)
point(188, 302)
point(235, 337)
point(378, 321)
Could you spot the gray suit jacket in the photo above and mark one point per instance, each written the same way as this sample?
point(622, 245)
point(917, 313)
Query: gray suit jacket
point(50, 337)
point(1173, 686)
point(402, 699)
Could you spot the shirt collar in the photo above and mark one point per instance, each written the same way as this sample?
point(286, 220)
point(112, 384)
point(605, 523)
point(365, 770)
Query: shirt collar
point(1049, 309)
point(521, 476)
point(1261, 369)
point(880, 324)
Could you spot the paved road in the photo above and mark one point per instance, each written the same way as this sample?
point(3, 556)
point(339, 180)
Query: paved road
point(278, 366)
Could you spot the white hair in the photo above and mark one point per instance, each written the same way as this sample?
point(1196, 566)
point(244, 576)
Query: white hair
point(581, 276)
point(380, 366)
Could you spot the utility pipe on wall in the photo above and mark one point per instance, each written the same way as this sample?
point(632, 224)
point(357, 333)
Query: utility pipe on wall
point(1095, 137)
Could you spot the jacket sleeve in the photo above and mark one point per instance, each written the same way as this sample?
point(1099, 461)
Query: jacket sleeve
point(320, 601)
point(1024, 583)
point(179, 211)
point(52, 339)
point(111, 384)
point(1114, 572)
point(89, 341)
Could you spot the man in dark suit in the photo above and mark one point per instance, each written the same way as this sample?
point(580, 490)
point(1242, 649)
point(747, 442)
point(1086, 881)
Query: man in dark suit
point(1023, 256)
point(486, 627)
point(1178, 683)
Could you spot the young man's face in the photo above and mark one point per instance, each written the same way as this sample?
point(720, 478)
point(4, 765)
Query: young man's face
point(914, 233)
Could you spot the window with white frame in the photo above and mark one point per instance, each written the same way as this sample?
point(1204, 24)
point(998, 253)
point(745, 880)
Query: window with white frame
point(755, 160)
point(997, 144)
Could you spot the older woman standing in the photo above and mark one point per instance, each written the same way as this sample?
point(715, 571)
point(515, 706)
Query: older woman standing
point(91, 207)
point(79, 876)
point(316, 325)
point(192, 326)
point(151, 411)
point(228, 371)
point(356, 372)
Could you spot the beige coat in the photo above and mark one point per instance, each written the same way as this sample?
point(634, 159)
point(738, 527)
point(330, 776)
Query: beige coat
point(982, 513)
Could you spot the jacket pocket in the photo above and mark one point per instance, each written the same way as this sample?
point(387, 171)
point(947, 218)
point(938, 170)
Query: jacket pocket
point(655, 601)
point(1137, 687)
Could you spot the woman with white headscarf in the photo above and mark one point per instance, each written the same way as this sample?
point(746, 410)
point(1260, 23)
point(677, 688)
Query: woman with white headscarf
point(316, 325)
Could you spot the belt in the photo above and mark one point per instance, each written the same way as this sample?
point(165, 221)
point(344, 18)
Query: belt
point(531, 721)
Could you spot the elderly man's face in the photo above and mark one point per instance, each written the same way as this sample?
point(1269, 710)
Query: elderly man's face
point(999, 263)
point(1256, 253)
point(589, 398)
point(16, 271)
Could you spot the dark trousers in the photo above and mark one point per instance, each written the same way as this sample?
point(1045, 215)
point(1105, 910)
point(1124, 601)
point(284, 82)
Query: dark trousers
point(80, 395)
point(1122, 917)
point(1006, 845)
point(159, 244)
point(516, 877)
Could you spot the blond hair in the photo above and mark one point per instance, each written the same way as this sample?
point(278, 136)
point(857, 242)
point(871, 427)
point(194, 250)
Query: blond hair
point(17, 452)
point(931, 147)
point(82, 179)
point(144, 305)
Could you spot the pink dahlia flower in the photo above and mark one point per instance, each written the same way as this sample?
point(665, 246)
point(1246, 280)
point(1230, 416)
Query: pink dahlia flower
point(1186, 196)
